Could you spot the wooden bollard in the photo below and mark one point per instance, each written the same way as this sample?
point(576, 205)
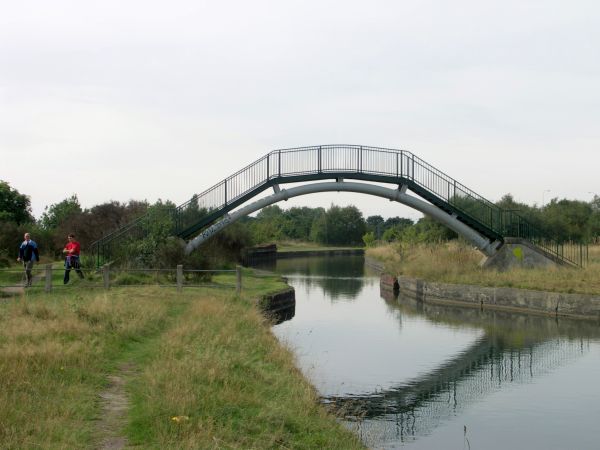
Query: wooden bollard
point(179, 277)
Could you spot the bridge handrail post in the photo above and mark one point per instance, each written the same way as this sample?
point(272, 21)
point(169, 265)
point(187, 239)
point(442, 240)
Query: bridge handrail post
point(360, 160)
point(279, 162)
point(268, 169)
point(319, 164)
point(402, 163)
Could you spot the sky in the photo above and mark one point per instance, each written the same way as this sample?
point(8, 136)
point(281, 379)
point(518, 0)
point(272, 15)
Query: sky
point(121, 100)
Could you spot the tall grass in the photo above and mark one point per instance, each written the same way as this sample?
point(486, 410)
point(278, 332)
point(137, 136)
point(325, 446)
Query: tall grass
point(456, 262)
point(218, 379)
point(204, 357)
point(54, 353)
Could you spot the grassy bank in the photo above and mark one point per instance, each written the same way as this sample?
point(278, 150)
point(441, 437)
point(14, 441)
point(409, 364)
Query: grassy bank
point(204, 371)
point(458, 263)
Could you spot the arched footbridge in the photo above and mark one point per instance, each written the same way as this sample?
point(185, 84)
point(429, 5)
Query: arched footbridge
point(397, 175)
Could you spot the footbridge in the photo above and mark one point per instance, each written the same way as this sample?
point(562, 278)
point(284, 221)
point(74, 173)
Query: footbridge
point(327, 168)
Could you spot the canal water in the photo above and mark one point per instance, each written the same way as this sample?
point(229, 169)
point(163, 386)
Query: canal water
point(406, 375)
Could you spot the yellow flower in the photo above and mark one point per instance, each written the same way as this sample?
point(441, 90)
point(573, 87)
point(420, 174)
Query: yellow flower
point(179, 418)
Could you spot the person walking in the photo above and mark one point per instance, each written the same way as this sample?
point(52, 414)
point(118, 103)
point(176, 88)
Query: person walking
point(28, 253)
point(71, 251)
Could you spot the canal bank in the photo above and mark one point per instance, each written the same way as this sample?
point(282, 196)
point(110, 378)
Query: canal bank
point(201, 369)
point(265, 253)
point(579, 306)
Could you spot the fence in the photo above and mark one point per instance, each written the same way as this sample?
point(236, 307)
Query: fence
point(47, 278)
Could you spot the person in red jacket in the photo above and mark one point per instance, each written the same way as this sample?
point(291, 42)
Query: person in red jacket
point(71, 251)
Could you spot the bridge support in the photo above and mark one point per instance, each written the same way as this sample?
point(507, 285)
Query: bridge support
point(486, 246)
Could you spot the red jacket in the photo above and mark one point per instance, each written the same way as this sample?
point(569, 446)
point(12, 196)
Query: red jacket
point(73, 248)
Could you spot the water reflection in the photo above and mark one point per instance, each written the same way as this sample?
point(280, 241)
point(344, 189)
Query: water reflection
point(503, 355)
point(401, 371)
point(280, 315)
point(340, 277)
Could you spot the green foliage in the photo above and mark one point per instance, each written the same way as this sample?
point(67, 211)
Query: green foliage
point(375, 225)
point(14, 206)
point(225, 248)
point(339, 226)
point(10, 237)
point(156, 227)
point(59, 213)
point(531, 214)
point(191, 213)
point(568, 220)
point(274, 224)
point(369, 239)
point(397, 229)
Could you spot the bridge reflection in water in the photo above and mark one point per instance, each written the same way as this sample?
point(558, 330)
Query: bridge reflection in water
point(503, 355)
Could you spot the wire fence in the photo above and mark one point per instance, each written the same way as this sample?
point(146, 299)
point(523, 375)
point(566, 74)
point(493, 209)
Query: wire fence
point(48, 278)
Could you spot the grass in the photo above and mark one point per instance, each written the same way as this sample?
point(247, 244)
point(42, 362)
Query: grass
point(205, 357)
point(457, 263)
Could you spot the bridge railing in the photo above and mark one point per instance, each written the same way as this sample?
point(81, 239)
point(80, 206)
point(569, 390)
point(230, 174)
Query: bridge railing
point(363, 162)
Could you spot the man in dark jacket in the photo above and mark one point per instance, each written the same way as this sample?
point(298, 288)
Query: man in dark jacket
point(28, 253)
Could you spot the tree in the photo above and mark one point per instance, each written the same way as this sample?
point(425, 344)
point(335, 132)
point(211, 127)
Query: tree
point(394, 227)
point(369, 239)
point(339, 226)
point(375, 225)
point(59, 213)
point(14, 206)
point(568, 220)
point(298, 222)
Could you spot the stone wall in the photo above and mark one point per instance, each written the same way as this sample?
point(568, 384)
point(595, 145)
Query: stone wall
point(524, 300)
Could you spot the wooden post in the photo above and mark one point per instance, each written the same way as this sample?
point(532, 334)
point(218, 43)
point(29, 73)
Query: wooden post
point(48, 287)
point(106, 275)
point(238, 284)
point(179, 277)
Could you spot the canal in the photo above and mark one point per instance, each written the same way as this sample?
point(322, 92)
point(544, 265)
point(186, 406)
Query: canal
point(406, 375)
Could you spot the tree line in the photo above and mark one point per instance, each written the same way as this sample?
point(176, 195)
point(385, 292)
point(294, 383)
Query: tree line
point(336, 226)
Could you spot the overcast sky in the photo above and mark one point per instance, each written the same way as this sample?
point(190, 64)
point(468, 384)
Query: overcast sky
point(120, 100)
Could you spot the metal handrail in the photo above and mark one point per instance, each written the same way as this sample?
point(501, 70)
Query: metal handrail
point(349, 161)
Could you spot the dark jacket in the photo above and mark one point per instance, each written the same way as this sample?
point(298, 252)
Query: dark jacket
point(28, 251)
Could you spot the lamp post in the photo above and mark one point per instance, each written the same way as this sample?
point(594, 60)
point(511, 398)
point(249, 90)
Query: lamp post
point(543, 194)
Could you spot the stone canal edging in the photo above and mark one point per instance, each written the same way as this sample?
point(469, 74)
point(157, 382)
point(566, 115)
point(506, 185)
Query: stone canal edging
point(333, 252)
point(278, 300)
point(374, 264)
point(582, 306)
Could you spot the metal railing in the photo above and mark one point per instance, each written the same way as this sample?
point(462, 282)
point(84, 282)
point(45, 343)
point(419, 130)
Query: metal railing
point(345, 161)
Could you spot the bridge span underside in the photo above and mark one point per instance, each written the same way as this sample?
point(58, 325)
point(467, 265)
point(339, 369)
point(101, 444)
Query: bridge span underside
point(485, 245)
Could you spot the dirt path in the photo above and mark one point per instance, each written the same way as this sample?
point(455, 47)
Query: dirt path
point(16, 290)
point(114, 410)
